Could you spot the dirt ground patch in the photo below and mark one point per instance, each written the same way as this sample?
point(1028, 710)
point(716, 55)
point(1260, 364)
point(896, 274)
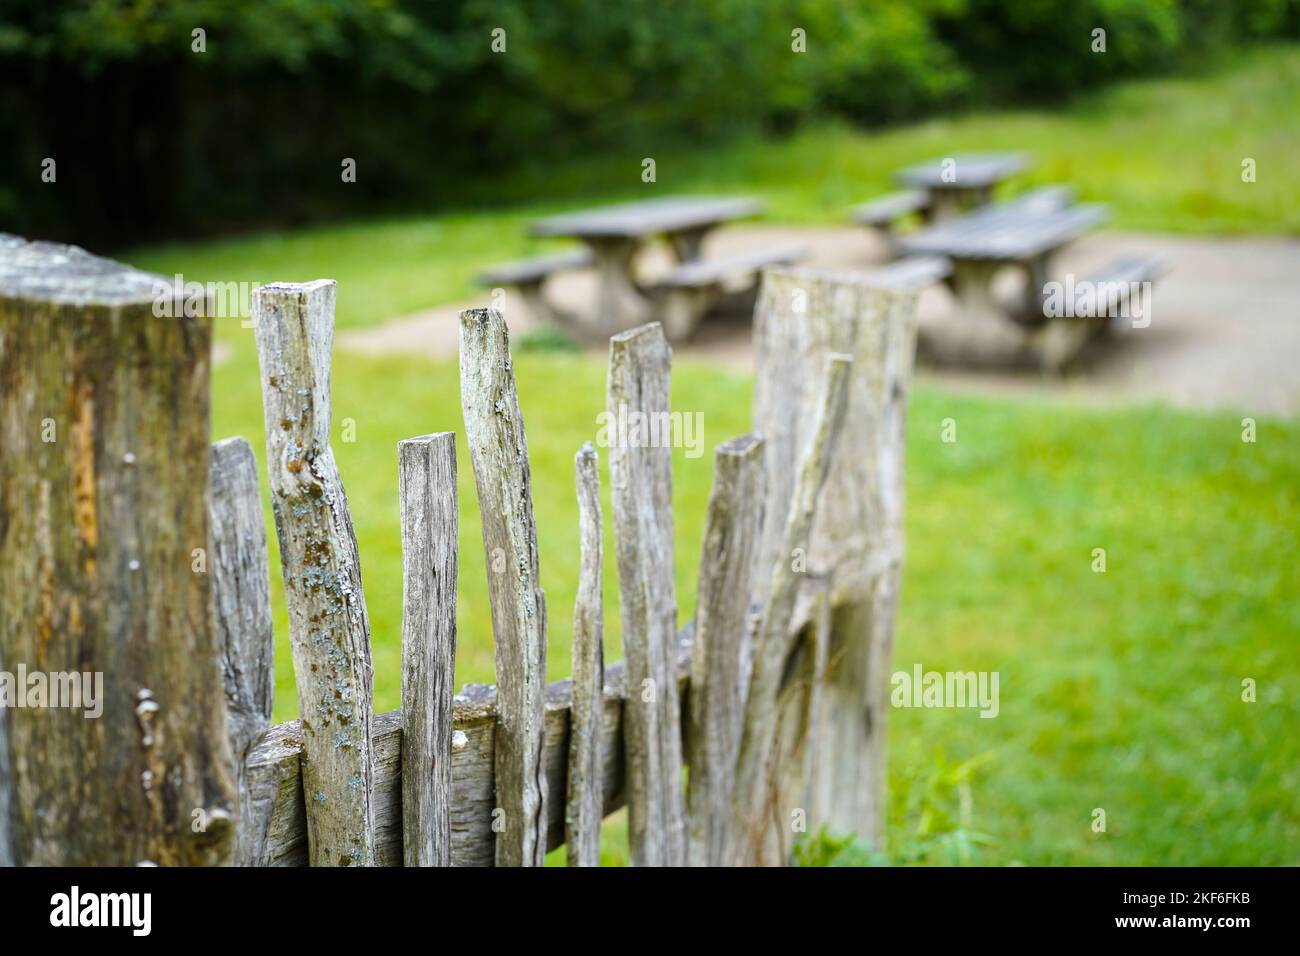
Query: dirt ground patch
point(1224, 332)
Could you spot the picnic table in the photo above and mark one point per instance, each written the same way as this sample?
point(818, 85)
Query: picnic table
point(1027, 231)
point(957, 183)
point(612, 238)
point(616, 234)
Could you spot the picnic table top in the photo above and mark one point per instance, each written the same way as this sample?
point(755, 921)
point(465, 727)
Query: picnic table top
point(651, 217)
point(973, 171)
point(1012, 232)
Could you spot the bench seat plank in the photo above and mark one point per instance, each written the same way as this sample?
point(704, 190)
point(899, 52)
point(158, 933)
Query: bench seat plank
point(534, 269)
point(913, 272)
point(888, 208)
point(707, 272)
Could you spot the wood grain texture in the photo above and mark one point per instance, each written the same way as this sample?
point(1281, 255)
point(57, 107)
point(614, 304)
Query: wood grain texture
point(722, 627)
point(104, 438)
point(275, 779)
point(427, 490)
point(329, 628)
point(641, 495)
point(585, 799)
point(241, 610)
point(803, 315)
point(755, 774)
point(498, 449)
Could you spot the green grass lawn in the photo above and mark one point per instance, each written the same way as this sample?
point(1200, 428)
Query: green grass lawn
point(1119, 690)
point(1166, 154)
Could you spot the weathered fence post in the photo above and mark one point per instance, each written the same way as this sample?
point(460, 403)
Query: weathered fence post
point(328, 625)
point(757, 773)
point(241, 611)
point(718, 686)
point(586, 798)
point(856, 540)
point(498, 450)
point(114, 721)
point(427, 489)
point(641, 493)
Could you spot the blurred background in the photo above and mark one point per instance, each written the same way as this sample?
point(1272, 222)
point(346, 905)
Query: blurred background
point(156, 141)
point(217, 155)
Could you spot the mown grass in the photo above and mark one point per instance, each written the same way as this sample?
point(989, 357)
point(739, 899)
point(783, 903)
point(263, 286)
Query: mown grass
point(1119, 690)
point(1167, 154)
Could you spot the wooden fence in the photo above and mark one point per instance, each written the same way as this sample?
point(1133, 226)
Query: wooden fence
point(130, 547)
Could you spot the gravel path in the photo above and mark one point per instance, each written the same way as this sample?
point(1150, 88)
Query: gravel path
point(1225, 329)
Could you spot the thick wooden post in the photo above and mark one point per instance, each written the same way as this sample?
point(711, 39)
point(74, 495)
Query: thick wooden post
point(427, 488)
point(328, 625)
point(640, 469)
point(757, 772)
point(856, 538)
point(498, 451)
point(113, 718)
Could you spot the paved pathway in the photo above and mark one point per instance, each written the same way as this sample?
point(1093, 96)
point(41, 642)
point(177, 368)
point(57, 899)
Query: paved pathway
point(1225, 329)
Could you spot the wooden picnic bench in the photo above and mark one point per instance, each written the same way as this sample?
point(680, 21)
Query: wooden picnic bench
point(687, 293)
point(883, 214)
point(938, 189)
point(1026, 232)
point(614, 236)
point(527, 276)
point(955, 184)
point(912, 273)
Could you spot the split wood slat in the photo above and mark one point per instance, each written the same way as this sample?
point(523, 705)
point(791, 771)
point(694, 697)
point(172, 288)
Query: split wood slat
point(722, 625)
point(498, 449)
point(585, 808)
point(329, 629)
point(427, 491)
point(641, 494)
point(755, 777)
point(241, 612)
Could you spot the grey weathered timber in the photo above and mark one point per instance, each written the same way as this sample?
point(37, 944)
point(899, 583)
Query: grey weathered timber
point(956, 183)
point(754, 788)
point(716, 701)
point(640, 467)
point(277, 790)
point(970, 171)
point(857, 534)
point(1013, 232)
point(103, 516)
point(427, 490)
point(912, 273)
point(498, 449)
point(537, 268)
point(329, 629)
point(882, 211)
point(241, 611)
point(688, 292)
point(585, 806)
point(663, 216)
point(615, 235)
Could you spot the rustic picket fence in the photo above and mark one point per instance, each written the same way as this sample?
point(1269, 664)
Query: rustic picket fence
point(130, 546)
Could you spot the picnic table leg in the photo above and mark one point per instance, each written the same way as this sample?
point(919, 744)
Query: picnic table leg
point(983, 329)
point(688, 244)
point(1037, 270)
point(944, 204)
point(619, 303)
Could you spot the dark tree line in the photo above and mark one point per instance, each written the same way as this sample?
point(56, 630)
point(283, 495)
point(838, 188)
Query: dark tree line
point(154, 138)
